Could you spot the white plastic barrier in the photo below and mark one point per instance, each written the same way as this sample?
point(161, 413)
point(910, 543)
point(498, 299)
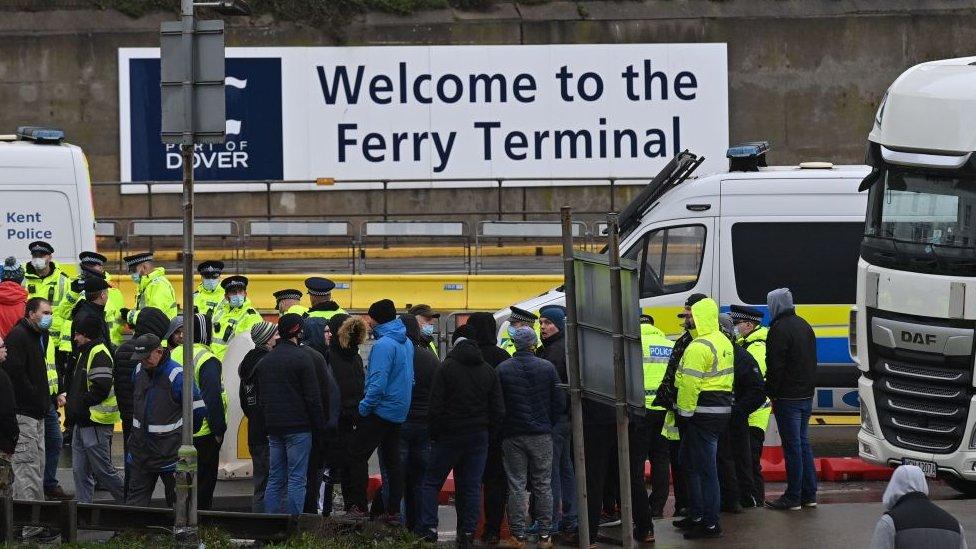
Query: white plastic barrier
point(235, 459)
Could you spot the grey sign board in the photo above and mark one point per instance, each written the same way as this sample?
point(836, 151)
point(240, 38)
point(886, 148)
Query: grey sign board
point(207, 77)
point(595, 328)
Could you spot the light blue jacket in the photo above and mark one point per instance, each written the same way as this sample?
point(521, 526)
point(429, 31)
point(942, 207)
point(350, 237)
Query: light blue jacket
point(389, 376)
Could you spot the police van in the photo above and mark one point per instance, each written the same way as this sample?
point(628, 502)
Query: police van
point(737, 235)
point(45, 194)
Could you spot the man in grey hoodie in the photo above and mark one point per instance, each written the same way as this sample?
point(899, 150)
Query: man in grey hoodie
point(911, 519)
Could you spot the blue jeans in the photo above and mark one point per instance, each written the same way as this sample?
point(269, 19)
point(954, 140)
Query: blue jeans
point(466, 454)
point(563, 478)
point(286, 473)
point(414, 455)
point(793, 419)
point(699, 447)
point(52, 448)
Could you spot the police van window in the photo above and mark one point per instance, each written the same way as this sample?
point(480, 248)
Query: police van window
point(816, 261)
point(672, 260)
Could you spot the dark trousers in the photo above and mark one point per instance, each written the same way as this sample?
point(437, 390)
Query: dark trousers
point(757, 437)
point(313, 480)
point(349, 472)
point(126, 429)
point(375, 432)
point(699, 446)
point(495, 488)
point(793, 420)
point(142, 483)
point(415, 448)
point(679, 476)
point(640, 448)
point(208, 457)
point(599, 447)
point(261, 459)
point(735, 463)
point(466, 455)
point(660, 456)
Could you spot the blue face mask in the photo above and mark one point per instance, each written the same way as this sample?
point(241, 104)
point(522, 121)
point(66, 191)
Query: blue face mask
point(136, 277)
point(210, 284)
point(428, 330)
point(45, 322)
point(511, 331)
point(236, 300)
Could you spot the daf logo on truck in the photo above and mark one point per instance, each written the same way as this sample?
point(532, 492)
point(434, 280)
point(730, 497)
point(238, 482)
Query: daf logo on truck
point(918, 338)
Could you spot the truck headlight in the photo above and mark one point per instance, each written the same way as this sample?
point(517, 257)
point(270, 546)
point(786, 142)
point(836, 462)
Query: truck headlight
point(866, 424)
point(852, 334)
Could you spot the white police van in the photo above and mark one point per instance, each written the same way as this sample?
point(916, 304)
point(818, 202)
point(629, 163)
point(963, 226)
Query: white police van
point(45, 194)
point(737, 235)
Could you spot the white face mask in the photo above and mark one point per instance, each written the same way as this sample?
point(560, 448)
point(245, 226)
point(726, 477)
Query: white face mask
point(210, 284)
point(39, 263)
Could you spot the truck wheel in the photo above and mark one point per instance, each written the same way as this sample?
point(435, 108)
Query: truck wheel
point(966, 487)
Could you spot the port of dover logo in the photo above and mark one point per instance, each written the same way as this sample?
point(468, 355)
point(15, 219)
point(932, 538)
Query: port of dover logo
point(252, 149)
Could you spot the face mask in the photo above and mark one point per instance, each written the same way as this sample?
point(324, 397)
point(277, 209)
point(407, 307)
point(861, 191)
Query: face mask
point(39, 263)
point(428, 329)
point(45, 322)
point(136, 277)
point(735, 332)
point(210, 284)
point(511, 331)
point(236, 300)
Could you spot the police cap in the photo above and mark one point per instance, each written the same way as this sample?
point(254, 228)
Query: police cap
point(210, 269)
point(521, 315)
point(92, 258)
point(40, 247)
point(232, 283)
point(319, 286)
point(741, 313)
point(287, 294)
point(133, 261)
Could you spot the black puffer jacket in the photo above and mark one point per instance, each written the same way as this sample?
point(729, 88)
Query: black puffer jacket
point(553, 349)
point(532, 400)
point(348, 333)
point(151, 321)
point(425, 363)
point(290, 394)
point(484, 331)
point(466, 395)
point(791, 358)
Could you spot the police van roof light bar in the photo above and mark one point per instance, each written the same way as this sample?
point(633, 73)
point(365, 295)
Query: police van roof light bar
point(747, 157)
point(39, 134)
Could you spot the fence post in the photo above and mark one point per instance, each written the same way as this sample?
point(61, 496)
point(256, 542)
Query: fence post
point(268, 207)
point(613, 199)
point(69, 521)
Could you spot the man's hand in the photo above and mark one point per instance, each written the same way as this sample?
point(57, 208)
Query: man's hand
point(61, 400)
point(124, 315)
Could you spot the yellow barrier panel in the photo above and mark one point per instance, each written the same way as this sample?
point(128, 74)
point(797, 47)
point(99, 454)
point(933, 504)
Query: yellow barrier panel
point(442, 292)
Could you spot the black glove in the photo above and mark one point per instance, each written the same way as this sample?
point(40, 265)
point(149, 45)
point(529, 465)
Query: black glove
point(124, 313)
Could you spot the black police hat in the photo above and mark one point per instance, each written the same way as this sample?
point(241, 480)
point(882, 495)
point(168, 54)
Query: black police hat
point(236, 282)
point(133, 261)
point(40, 247)
point(521, 315)
point(740, 313)
point(287, 294)
point(210, 269)
point(92, 258)
point(319, 286)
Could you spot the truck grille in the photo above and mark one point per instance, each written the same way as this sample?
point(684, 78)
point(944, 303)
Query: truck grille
point(922, 397)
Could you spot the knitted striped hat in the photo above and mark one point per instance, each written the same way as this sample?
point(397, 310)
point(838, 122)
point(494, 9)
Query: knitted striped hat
point(261, 333)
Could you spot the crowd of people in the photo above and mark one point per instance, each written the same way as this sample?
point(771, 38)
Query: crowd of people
point(495, 413)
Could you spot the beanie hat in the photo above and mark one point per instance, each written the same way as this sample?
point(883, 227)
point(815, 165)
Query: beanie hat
point(90, 327)
point(152, 321)
point(726, 325)
point(290, 326)
point(202, 329)
point(12, 270)
point(555, 314)
point(382, 311)
point(524, 338)
point(261, 333)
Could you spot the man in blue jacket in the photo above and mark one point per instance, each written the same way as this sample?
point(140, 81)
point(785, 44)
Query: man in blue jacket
point(384, 407)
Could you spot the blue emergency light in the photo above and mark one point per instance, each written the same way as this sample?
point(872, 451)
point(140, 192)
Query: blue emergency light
point(747, 157)
point(40, 134)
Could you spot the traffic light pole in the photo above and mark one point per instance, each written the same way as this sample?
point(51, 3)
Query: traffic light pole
point(185, 527)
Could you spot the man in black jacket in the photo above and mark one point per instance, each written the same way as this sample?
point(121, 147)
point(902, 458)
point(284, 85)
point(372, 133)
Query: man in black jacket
point(466, 406)
point(9, 432)
point(151, 321)
point(293, 414)
point(27, 368)
point(93, 411)
point(414, 435)
point(791, 367)
point(315, 341)
point(484, 332)
point(734, 456)
point(265, 336)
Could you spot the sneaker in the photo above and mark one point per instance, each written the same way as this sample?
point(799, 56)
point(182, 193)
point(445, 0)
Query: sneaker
point(748, 503)
point(30, 533)
point(430, 536)
point(57, 494)
point(490, 540)
point(464, 541)
point(781, 504)
point(545, 542)
point(686, 523)
point(646, 538)
point(355, 513)
point(392, 520)
point(681, 511)
point(810, 504)
point(610, 519)
point(704, 532)
point(512, 542)
point(533, 529)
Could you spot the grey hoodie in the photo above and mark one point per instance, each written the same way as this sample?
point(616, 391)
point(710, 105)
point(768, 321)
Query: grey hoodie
point(779, 301)
point(909, 479)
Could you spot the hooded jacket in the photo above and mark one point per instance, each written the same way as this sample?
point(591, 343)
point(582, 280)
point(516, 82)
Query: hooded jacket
point(249, 392)
point(466, 394)
point(27, 369)
point(912, 520)
point(532, 399)
point(151, 321)
point(425, 363)
point(484, 332)
point(553, 349)
point(348, 333)
point(85, 309)
point(791, 351)
point(313, 340)
point(389, 377)
point(13, 303)
point(9, 430)
point(705, 377)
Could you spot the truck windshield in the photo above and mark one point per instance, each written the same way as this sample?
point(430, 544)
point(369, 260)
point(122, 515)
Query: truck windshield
point(922, 222)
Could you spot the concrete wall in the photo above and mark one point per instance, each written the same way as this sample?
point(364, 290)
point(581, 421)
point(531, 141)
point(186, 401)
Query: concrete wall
point(806, 75)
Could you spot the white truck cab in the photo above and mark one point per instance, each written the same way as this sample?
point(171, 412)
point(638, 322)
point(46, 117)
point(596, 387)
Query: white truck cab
point(45, 194)
point(914, 325)
point(737, 235)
